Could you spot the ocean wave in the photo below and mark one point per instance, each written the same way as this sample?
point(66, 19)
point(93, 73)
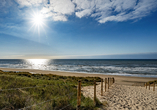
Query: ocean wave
point(133, 68)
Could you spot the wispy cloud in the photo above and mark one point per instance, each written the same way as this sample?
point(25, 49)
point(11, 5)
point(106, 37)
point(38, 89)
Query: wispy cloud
point(115, 10)
point(59, 9)
point(102, 10)
point(24, 3)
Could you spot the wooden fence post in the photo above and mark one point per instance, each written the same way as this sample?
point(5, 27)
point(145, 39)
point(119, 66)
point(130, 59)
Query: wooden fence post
point(146, 85)
point(108, 83)
point(105, 83)
point(79, 95)
point(94, 92)
point(154, 86)
point(101, 87)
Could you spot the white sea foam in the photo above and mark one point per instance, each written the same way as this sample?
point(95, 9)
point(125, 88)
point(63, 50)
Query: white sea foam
point(126, 68)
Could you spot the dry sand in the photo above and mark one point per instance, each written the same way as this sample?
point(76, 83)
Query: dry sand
point(127, 93)
point(124, 97)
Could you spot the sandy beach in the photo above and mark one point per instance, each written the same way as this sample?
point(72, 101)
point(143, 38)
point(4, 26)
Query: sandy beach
point(127, 93)
point(123, 80)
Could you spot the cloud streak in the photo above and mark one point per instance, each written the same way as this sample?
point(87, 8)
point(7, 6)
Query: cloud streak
point(152, 55)
point(102, 10)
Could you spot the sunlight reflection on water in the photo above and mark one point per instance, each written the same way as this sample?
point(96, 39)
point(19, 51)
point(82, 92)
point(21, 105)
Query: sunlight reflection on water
point(144, 68)
point(37, 63)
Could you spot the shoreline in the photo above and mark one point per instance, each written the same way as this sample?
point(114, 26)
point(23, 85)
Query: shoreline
point(74, 72)
point(124, 80)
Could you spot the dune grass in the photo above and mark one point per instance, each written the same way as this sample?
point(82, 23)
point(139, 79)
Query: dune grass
point(48, 92)
point(152, 82)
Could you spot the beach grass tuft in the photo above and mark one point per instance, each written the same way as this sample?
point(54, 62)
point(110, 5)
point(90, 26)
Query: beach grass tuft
point(151, 82)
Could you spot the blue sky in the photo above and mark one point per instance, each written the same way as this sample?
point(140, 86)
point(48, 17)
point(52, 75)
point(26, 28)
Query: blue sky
point(78, 29)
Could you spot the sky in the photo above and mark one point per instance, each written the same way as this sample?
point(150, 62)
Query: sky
point(78, 29)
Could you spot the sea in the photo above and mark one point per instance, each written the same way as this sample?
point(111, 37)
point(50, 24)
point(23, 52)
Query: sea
point(122, 67)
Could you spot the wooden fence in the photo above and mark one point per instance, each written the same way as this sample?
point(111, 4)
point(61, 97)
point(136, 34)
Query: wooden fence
point(149, 85)
point(110, 81)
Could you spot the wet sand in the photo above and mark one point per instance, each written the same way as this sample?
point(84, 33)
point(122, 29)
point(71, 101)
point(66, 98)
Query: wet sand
point(124, 80)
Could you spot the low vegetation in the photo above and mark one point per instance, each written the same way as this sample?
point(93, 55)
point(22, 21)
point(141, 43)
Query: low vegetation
point(46, 92)
point(151, 82)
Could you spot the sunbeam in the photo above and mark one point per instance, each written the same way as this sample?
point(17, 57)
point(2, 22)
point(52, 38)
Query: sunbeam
point(38, 22)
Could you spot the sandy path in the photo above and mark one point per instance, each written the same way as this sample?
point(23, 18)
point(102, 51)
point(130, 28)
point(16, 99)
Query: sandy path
point(125, 97)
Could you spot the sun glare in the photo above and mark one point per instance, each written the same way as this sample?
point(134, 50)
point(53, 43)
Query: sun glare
point(38, 19)
point(37, 63)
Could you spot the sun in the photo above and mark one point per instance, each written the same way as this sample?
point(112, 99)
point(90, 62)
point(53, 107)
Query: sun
point(38, 19)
